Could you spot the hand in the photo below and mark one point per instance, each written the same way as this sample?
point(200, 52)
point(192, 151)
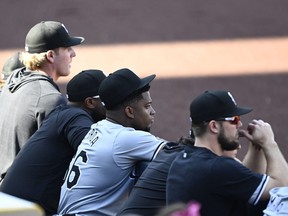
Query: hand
point(259, 133)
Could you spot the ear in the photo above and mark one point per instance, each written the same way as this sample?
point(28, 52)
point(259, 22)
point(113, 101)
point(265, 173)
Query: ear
point(214, 126)
point(129, 111)
point(50, 54)
point(88, 102)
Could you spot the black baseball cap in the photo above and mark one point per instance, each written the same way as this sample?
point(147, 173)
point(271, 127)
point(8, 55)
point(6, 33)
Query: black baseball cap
point(49, 35)
point(213, 105)
point(84, 84)
point(11, 64)
point(121, 84)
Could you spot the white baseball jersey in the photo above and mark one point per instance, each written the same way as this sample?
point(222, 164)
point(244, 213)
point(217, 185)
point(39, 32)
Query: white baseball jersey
point(100, 175)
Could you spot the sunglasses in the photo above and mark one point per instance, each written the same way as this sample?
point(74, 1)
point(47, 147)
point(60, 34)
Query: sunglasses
point(233, 120)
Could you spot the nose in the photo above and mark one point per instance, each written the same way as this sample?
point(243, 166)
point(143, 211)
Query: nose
point(153, 112)
point(73, 53)
point(240, 124)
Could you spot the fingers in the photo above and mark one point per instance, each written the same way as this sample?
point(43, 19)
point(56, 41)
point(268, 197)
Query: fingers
point(257, 124)
point(253, 124)
point(244, 133)
point(258, 132)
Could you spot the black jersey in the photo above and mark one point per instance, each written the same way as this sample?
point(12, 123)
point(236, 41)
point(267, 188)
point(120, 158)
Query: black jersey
point(37, 172)
point(148, 196)
point(220, 184)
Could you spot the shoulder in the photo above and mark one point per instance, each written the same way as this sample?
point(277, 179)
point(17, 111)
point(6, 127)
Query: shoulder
point(65, 113)
point(48, 88)
point(226, 167)
point(136, 136)
point(42, 87)
point(44, 82)
point(173, 146)
point(168, 153)
point(72, 110)
point(48, 101)
point(66, 110)
point(228, 162)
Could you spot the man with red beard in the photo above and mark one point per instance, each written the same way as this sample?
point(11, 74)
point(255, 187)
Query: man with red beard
point(222, 185)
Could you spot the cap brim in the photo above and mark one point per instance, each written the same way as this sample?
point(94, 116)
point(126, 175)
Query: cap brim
point(145, 81)
point(242, 111)
point(75, 41)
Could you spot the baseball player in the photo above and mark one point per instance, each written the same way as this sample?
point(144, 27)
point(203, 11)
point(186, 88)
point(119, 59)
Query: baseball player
point(222, 185)
point(101, 174)
point(37, 172)
point(31, 93)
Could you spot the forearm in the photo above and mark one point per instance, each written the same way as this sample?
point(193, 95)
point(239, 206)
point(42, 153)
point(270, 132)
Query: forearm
point(277, 167)
point(261, 134)
point(255, 159)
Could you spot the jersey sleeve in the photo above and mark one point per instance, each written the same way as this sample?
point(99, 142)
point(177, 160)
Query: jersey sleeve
point(139, 145)
point(232, 179)
point(76, 128)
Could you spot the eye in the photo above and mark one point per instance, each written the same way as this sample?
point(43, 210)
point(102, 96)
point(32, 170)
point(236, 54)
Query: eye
point(148, 105)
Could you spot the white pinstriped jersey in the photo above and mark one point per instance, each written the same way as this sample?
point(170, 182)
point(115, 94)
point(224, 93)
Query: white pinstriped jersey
point(100, 175)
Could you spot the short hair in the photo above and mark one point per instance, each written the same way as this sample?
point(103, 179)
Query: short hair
point(134, 97)
point(199, 129)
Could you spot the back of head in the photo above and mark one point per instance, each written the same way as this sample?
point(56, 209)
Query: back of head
point(49, 35)
point(120, 85)
point(84, 84)
point(213, 105)
point(11, 64)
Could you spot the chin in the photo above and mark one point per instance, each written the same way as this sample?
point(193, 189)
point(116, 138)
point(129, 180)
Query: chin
point(147, 129)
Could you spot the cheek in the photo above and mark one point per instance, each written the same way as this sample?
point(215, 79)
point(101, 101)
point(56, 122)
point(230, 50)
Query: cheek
point(148, 112)
point(235, 133)
point(66, 58)
point(144, 116)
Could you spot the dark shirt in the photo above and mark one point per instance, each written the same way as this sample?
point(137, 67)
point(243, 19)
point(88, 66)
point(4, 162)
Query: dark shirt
point(148, 196)
point(221, 185)
point(37, 172)
point(27, 98)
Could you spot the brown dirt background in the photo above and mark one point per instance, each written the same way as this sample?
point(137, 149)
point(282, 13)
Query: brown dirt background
point(192, 46)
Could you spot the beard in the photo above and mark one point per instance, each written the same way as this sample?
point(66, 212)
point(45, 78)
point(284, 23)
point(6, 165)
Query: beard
point(142, 127)
point(146, 129)
point(97, 116)
point(227, 145)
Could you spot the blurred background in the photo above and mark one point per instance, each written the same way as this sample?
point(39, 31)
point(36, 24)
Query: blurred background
point(191, 45)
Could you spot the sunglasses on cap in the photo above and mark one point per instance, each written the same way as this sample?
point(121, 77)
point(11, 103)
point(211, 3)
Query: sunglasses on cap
point(233, 120)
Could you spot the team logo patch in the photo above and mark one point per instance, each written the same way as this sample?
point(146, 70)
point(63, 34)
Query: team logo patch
point(230, 95)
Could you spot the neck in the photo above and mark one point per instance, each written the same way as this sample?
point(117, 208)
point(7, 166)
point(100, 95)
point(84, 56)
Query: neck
point(210, 145)
point(75, 104)
point(48, 71)
point(112, 120)
point(203, 146)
